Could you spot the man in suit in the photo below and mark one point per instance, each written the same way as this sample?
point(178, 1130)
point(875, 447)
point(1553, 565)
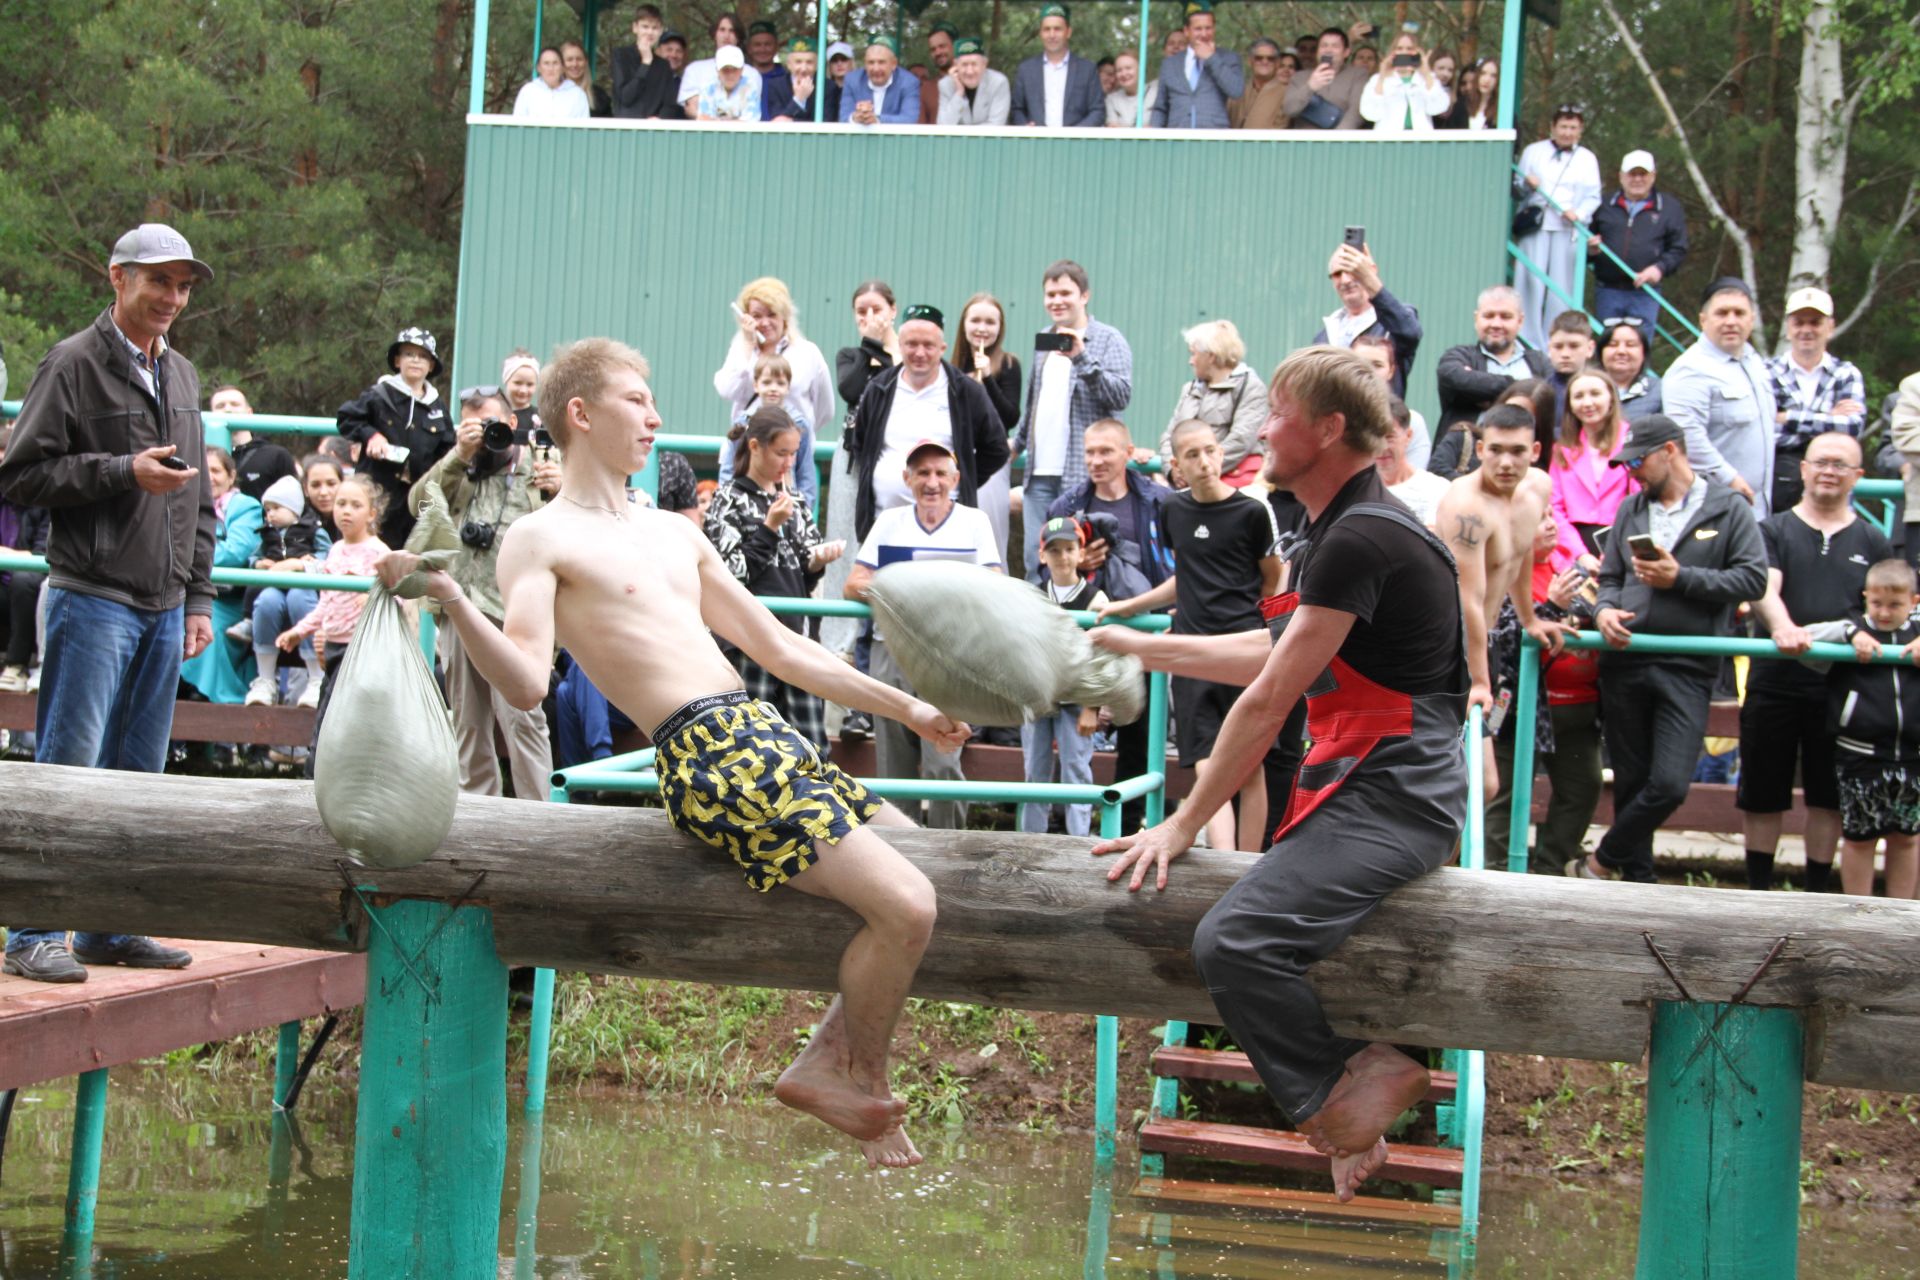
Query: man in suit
point(974, 93)
point(1196, 85)
point(1474, 375)
point(880, 92)
point(1054, 88)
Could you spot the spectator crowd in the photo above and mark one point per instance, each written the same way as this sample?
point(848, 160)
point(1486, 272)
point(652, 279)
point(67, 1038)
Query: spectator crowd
point(1576, 487)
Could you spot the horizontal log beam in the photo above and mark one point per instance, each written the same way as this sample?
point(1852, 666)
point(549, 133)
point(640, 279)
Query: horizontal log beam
point(1458, 959)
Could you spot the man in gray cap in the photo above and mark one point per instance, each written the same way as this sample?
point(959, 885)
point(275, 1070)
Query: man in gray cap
point(109, 438)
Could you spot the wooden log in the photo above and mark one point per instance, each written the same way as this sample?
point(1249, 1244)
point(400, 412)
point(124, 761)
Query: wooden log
point(1459, 959)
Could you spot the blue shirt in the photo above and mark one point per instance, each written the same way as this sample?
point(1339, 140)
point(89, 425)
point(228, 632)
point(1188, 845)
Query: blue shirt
point(903, 91)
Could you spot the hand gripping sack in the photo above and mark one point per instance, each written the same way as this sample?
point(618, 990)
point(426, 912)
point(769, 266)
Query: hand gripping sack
point(992, 650)
point(386, 766)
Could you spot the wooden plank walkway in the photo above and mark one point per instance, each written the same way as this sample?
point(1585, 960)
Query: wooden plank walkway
point(1285, 1149)
point(50, 1031)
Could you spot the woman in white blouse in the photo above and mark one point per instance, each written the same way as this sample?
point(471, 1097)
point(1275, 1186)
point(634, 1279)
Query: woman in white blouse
point(550, 95)
point(767, 323)
point(1404, 95)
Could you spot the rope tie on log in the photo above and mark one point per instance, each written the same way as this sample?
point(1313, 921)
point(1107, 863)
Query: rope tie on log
point(1711, 1032)
point(360, 892)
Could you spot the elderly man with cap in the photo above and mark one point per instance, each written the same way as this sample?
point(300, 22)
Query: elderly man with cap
point(942, 50)
point(880, 92)
point(974, 93)
point(1721, 394)
point(1557, 173)
point(921, 398)
point(1197, 83)
point(109, 439)
point(1685, 552)
point(1646, 231)
point(929, 525)
point(792, 97)
point(1054, 87)
point(1814, 391)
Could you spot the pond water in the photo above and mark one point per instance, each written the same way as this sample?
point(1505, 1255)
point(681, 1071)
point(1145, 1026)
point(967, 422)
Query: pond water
point(650, 1190)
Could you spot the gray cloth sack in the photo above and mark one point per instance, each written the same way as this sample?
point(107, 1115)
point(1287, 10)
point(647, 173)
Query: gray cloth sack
point(992, 650)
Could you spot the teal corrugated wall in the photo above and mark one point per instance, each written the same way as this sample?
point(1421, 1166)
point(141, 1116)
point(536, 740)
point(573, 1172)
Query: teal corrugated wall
point(646, 233)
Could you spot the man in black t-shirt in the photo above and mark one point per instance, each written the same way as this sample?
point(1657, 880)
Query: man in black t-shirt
point(1374, 626)
point(1818, 554)
point(1225, 562)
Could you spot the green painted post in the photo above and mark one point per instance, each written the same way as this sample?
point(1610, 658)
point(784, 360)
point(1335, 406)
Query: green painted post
point(1140, 76)
point(1721, 1193)
point(430, 1140)
point(1106, 1043)
point(286, 1062)
point(477, 83)
point(540, 21)
point(1520, 786)
point(1513, 51)
point(526, 1213)
point(820, 67)
point(1157, 741)
point(1093, 1265)
point(539, 1041)
point(83, 1171)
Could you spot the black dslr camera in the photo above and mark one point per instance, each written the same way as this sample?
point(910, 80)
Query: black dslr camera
point(477, 534)
point(496, 435)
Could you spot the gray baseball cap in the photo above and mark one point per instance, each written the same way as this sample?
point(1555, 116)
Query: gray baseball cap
point(155, 242)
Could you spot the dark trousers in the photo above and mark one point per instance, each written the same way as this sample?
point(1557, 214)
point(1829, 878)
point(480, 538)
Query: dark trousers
point(1130, 761)
point(1656, 719)
point(1573, 767)
point(22, 602)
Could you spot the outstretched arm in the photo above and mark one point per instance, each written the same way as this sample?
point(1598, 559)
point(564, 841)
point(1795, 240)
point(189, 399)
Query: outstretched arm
point(1230, 659)
point(514, 660)
point(791, 658)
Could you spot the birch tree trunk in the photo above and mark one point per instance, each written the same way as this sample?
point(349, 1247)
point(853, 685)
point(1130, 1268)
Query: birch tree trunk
point(1824, 119)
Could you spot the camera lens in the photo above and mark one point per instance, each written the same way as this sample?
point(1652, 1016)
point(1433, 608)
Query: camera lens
point(496, 435)
point(542, 438)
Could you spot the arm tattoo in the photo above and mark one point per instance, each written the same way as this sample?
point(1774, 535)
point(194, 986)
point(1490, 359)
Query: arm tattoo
point(1468, 530)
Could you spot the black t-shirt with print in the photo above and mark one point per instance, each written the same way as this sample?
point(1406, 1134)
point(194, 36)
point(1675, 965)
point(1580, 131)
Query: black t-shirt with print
point(1217, 549)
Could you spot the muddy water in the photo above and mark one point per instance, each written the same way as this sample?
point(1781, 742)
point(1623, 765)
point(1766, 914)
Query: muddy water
point(649, 1190)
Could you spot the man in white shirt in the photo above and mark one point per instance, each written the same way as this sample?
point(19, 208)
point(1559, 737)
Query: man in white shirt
point(933, 527)
point(1054, 88)
point(1557, 174)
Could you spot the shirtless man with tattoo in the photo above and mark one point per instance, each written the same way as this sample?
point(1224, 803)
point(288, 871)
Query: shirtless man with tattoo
point(632, 593)
point(1488, 519)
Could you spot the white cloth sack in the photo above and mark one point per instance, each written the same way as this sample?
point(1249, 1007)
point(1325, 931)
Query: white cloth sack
point(992, 650)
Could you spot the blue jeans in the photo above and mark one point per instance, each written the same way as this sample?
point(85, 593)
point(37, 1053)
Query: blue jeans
point(1037, 493)
point(107, 686)
point(1609, 302)
point(1076, 766)
point(275, 610)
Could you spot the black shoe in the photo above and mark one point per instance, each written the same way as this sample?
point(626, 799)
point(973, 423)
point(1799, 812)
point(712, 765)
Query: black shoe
point(45, 961)
point(857, 727)
point(138, 953)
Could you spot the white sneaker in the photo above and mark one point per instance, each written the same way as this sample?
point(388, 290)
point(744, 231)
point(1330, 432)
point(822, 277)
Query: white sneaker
point(310, 696)
point(33, 678)
point(241, 631)
point(13, 680)
point(260, 693)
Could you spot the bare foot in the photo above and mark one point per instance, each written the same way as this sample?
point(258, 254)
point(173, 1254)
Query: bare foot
point(1350, 1170)
point(1380, 1083)
point(833, 1097)
point(894, 1151)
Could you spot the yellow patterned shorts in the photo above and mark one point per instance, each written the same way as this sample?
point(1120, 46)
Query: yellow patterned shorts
point(736, 776)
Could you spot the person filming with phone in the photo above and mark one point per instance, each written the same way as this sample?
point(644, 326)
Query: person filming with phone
point(491, 477)
point(1683, 553)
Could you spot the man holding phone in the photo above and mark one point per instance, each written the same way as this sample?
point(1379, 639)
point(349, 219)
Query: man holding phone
point(1328, 97)
point(1082, 372)
point(1684, 552)
point(110, 439)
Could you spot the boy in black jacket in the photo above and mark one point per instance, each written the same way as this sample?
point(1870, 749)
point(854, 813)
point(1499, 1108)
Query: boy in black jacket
point(1874, 712)
point(401, 426)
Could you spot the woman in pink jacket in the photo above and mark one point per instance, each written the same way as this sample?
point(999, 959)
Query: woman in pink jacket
point(1587, 490)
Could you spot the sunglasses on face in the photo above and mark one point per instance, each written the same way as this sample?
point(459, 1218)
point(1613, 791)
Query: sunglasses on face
point(477, 393)
point(1633, 464)
point(1632, 322)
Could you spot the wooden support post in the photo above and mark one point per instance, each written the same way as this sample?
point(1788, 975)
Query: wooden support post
point(430, 1140)
point(1721, 1193)
point(83, 1170)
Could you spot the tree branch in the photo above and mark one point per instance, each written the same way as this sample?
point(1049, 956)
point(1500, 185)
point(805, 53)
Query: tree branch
point(1867, 75)
point(1742, 241)
point(1908, 207)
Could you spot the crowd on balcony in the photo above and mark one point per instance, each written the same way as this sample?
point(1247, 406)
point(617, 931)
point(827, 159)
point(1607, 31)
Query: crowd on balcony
point(1339, 78)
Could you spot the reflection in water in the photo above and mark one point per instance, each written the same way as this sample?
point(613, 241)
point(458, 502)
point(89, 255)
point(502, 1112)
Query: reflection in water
point(211, 1187)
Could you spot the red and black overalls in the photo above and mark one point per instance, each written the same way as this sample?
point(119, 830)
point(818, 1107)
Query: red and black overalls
point(1379, 800)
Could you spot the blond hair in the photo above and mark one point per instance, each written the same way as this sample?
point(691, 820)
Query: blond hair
point(1219, 339)
point(772, 294)
point(1328, 380)
point(579, 371)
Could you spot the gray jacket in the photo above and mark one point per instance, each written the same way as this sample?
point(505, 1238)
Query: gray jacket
point(992, 101)
point(1234, 406)
point(1722, 563)
point(86, 414)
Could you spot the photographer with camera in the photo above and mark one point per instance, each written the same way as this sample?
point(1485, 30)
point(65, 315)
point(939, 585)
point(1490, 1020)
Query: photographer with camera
point(491, 477)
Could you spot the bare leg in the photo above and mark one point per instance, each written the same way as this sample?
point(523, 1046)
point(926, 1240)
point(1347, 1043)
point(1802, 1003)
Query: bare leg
point(842, 1076)
point(1823, 834)
point(1903, 865)
point(1379, 1084)
point(1856, 867)
point(1220, 832)
point(1253, 827)
point(1490, 769)
point(1762, 832)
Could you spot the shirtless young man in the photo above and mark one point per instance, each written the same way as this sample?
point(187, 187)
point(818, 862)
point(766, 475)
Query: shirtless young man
point(1488, 519)
point(631, 593)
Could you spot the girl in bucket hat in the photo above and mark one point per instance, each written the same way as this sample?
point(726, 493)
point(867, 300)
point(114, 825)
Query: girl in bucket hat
point(401, 426)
